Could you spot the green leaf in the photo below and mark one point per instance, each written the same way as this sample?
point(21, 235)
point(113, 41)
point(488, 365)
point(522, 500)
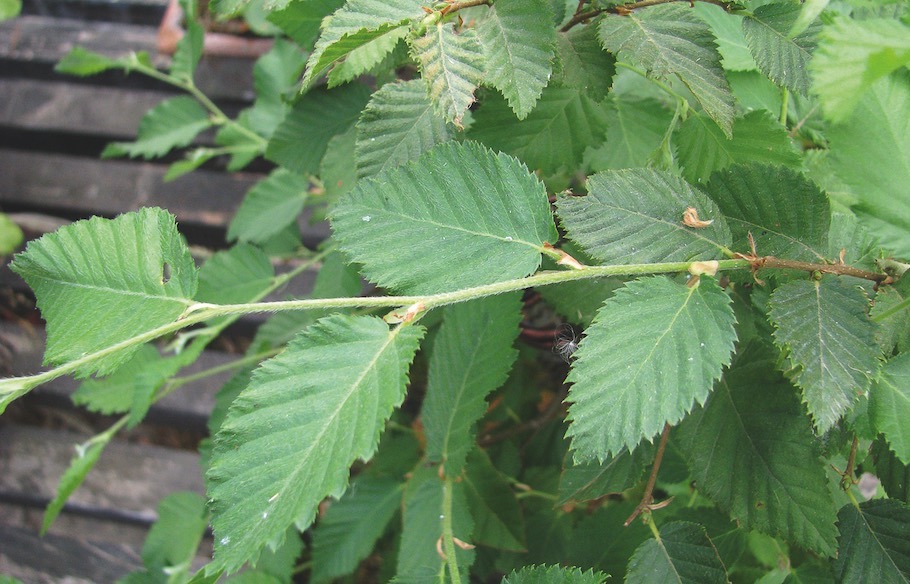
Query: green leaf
point(189, 51)
point(366, 56)
point(683, 554)
point(874, 542)
point(271, 205)
point(518, 39)
point(141, 375)
point(780, 56)
point(636, 216)
point(173, 123)
point(582, 63)
point(670, 39)
point(351, 526)
point(172, 541)
point(306, 416)
point(553, 575)
point(301, 140)
point(301, 20)
point(491, 499)
point(879, 131)
point(731, 42)
point(398, 125)
point(787, 215)
point(457, 216)
point(240, 274)
point(825, 328)
point(654, 333)
point(852, 55)
point(450, 64)
point(589, 481)
point(11, 235)
point(462, 374)
point(757, 137)
point(102, 281)
point(357, 22)
point(10, 9)
point(86, 457)
point(82, 62)
point(274, 77)
point(635, 130)
point(757, 458)
point(889, 405)
point(552, 138)
point(894, 474)
point(337, 171)
point(894, 329)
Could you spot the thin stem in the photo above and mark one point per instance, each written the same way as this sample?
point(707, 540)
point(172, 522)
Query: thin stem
point(648, 497)
point(176, 382)
point(625, 9)
point(836, 269)
point(456, 6)
point(785, 101)
point(538, 494)
point(448, 537)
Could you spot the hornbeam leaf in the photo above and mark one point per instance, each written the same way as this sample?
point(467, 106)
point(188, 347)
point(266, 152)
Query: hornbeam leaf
point(496, 512)
point(301, 20)
point(584, 482)
point(82, 62)
point(683, 554)
point(825, 327)
point(461, 374)
point(450, 64)
point(173, 123)
point(635, 130)
point(518, 39)
point(271, 205)
point(554, 575)
point(874, 542)
point(457, 216)
point(292, 434)
point(787, 215)
point(670, 39)
point(398, 125)
point(582, 62)
point(653, 352)
point(174, 538)
point(366, 56)
point(99, 282)
point(636, 216)
point(894, 474)
point(753, 452)
point(783, 59)
point(889, 405)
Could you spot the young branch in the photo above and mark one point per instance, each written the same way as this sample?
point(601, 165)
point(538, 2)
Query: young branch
point(648, 497)
point(625, 9)
point(456, 6)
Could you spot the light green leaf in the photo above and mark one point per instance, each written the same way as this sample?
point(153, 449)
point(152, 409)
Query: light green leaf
point(450, 64)
point(683, 554)
point(654, 351)
point(787, 215)
point(635, 130)
point(461, 374)
point(173, 123)
point(189, 51)
point(398, 125)
point(172, 541)
point(757, 458)
point(518, 38)
point(553, 575)
point(274, 77)
point(552, 138)
point(784, 59)
point(351, 526)
point(291, 436)
point(852, 55)
point(588, 481)
point(82, 62)
point(102, 281)
point(240, 274)
point(494, 507)
point(366, 56)
point(11, 235)
point(636, 216)
point(889, 405)
point(301, 20)
point(10, 9)
point(825, 328)
point(141, 375)
point(874, 543)
point(274, 203)
point(301, 139)
point(84, 461)
point(669, 39)
point(457, 216)
point(336, 170)
point(356, 23)
point(879, 131)
point(731, 42)
point(582, 63)
point(757, 137)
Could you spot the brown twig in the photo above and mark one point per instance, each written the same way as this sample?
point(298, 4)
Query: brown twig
point(837, 269)
point(625, 9)
point(648, 497)
point(846, 476)
point(456, 6)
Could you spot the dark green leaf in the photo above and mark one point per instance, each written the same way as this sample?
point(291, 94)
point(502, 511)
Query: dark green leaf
point(894, 474)
point(173, 123)
point(889, 405)
point(588, 481)
point(274, 203)
point(683, 554)
point(635, 130)
point(874, 543)
point(553, 575)
point(497, 515)
point(894, 329)
point(782, 57)
point(301, 20)
point(582, 62)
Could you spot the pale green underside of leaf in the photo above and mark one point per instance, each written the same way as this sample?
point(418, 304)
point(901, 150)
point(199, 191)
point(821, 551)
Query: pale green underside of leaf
point(461, 374)
point(239, 274)
point(398, 125)
point(366, 56)
point(552, 138)
point(636, 216)
point(831, 341)
point(787, 215)
point(72, 478)
point(635, 129)
point(669, 39)
point(874, 543)
point(271, 205)
point(292, 434)
point(518, 39)
point(879, 131)
point(753, 452)
point(582, 63)
point(173, 123)
point(172, 541)
point(588, 481)
point(653, 352)
point(351, 526)
point(851, 56)
point(498, 521)
point(458, 216)
point(683, 554)
point(451, 65)
point(554, 575)
point(82, 62)
point(757, 137)
point(889, 405)
point(99, 282)
point(731, 42)
point(783, 59)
